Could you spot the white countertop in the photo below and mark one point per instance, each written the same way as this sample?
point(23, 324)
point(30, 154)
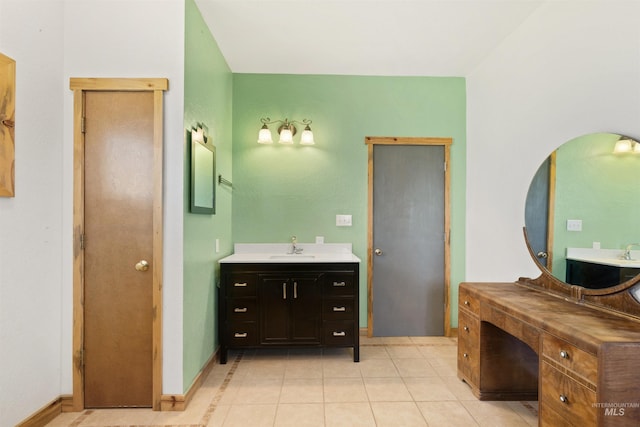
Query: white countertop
point(280, 253)
point(612, 257)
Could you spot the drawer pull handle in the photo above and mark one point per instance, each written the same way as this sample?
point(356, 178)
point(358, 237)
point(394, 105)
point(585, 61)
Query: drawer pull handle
point(339, 308)
point(466, 328)
point(465, 355)
point(284, 290)
point(339, 284)
point(340, 334)
point(564, 354)
point(466, 303)
point(295, 290)
point(240, 335)
point(240, 285)
point(564, 399)
point(240, 310)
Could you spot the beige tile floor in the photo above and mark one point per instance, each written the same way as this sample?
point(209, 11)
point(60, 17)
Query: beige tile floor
point(403, 381)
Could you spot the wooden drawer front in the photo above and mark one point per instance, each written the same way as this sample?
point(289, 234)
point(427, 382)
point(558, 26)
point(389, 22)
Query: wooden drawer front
point(242, 334)
point(242, 309)
point(339, 284)
point(569, 356)
point(468, 302)
point(550, 418)
point(242, 285)
point(468, 328)
point(337, 308)
point(568, 398)
point(338, 332)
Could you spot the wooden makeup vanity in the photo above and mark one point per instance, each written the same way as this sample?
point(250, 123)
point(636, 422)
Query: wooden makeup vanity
point(577, 357)
point(575, 349)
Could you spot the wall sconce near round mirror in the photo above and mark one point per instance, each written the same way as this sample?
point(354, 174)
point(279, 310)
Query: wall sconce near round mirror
point(286, 132)
point(626, 145)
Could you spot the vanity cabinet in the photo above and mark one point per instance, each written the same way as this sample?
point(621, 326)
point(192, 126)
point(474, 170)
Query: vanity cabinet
point(268, 305)
point(518, 342)
point(597, 276)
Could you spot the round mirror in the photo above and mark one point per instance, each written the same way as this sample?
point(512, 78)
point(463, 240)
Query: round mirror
point(582, 213)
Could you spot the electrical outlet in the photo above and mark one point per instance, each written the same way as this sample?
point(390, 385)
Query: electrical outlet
point(343, 220)
point(574, 225)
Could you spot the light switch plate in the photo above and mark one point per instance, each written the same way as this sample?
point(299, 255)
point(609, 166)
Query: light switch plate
point(343, 220)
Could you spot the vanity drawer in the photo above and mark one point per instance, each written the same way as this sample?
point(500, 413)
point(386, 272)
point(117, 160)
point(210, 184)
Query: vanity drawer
point(338, 284)
point(570, 399)
point(338, 332)
point(337, 308)
point(242, 309)
point(468, 327)
point(570, 357)
point(467, 301)
point(242, 334)
point(242, 285)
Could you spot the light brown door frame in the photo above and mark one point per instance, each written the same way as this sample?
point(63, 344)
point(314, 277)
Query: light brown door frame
point(79, 86)
point(371, 141)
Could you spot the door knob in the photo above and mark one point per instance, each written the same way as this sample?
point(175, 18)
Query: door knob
point(142, 265)
point(542, 254)
point(378, 252)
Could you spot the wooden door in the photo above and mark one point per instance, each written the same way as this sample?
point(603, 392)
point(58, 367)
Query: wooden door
point(408, 237)
point(117, 176)
point(118, 247)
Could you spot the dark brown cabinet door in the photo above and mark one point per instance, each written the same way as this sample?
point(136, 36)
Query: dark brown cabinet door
point(290, 309)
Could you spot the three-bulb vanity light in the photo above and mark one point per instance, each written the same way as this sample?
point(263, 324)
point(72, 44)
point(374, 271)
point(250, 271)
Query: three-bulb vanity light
point(626, 145)
point(286, 131)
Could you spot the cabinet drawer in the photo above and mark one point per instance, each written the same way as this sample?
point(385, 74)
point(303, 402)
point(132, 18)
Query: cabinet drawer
point(339, 284)
point(242, 309)
point(571, 400)
point(242, 334)
point(469, 361)
point(467, 301)
point(468, 328)
point(242, 285)
point(337, 308)
point(569, 356)
point(338, 332)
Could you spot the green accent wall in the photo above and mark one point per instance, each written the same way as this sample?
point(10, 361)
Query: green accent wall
point(207, 99)
point(280, 191)
point(600, 188)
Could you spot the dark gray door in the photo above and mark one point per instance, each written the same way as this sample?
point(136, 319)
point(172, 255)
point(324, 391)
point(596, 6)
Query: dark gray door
point(408, 240)
point(537, 213)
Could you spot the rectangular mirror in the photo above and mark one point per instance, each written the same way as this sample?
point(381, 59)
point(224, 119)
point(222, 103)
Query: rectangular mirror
point(203, 167)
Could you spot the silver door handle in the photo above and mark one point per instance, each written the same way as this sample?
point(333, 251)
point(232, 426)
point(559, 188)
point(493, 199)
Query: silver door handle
point(378, 252)
point(542, 254)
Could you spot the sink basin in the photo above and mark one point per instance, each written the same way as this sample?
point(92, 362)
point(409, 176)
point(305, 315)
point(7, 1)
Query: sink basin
point(289, 256)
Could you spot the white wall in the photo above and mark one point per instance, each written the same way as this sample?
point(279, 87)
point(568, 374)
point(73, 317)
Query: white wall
point(132, 38)
point(52, 41)
point(572, 68)
point(31, 223)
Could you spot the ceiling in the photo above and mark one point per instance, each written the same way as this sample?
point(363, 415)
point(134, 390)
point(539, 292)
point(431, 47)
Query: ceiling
point(361, 37)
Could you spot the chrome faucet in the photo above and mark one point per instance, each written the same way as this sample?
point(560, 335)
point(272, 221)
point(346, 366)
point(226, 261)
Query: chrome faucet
point(294, 248)
point(627, 251)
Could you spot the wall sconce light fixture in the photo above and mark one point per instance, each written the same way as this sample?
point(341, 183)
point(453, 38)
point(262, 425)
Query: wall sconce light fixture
point(286, 131)
point(626, 145)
